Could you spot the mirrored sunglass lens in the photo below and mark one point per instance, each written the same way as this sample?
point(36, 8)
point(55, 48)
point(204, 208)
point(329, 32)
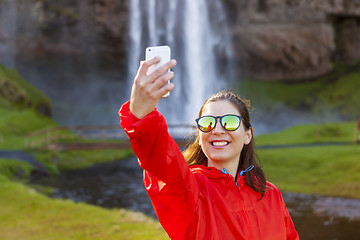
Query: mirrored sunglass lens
point(206, 123)
point(230, 123)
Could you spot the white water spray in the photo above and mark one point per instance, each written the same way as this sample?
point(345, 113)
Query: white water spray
point(197, 33)
point(8, 28)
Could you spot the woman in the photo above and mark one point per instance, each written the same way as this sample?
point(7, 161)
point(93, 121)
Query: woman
point(223, 194)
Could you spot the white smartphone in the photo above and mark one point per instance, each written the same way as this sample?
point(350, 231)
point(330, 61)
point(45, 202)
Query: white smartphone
point(164, 52)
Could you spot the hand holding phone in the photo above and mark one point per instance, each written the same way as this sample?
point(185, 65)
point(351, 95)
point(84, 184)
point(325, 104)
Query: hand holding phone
point(147, 88)
point(164, 52)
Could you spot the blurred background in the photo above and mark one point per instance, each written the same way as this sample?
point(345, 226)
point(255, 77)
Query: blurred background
point(298, 62)
point(84, 55)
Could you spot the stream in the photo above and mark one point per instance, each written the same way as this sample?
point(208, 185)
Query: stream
point(119, 185)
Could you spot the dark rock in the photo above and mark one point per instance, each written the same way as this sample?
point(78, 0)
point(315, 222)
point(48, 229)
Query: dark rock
point(272, 39)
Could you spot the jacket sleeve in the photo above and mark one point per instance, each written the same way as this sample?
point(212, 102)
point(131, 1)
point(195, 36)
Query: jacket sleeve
point(291, 233)
point(167, 178)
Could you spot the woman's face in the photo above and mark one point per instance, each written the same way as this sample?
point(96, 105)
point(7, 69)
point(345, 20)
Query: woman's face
point(220, 146)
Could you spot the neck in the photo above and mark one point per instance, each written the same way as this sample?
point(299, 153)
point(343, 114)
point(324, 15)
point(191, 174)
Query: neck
point(231, 167)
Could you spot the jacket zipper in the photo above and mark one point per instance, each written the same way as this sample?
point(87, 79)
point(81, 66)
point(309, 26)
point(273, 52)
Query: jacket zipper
point(245, 215)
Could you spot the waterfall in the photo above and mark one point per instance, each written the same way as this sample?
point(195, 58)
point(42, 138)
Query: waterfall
point(8, 27)
point(198, 35)
point(196, 31)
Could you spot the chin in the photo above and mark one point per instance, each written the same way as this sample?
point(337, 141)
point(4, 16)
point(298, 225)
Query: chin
point(219, 158)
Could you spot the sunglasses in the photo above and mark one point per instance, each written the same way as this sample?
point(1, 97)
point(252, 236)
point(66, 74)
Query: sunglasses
point(229, 122)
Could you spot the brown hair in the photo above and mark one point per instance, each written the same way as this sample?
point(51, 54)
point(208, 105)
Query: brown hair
point(195, 156)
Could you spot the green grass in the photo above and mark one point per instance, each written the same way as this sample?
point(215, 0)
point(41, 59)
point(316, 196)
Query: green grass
point(343, 95)
point(12, 168)
point(26, 214)
point(332, 170)
point(20, 107)
point(15, 124)
point(66, 160)
point(20, 92)
point(311, 133)
point(20, 122)
point(326, 170)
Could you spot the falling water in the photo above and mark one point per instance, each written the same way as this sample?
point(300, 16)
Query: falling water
point(197, 33)
point(8, 19)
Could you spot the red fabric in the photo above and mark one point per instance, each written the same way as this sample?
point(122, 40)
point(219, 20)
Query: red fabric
point(359, 123)
point(200, 202)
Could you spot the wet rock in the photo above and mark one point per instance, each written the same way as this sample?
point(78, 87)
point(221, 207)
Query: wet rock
point(338, 207)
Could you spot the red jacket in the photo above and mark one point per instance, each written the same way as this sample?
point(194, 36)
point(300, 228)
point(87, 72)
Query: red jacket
point(200, 202)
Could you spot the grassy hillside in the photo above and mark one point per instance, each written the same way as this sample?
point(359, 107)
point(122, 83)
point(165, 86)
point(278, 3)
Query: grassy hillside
point(326, 170)
point(337, 92)
point(294, 165)
point(344, 132)
point(23, 109)
point(26, 214)
point(332, 170)
point(14, 90)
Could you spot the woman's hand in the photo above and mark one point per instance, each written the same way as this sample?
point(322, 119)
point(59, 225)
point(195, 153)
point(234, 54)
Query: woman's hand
point(148, 89)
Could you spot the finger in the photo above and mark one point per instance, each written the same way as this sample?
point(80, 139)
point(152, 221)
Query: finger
point(163, 80)
point(164, 90)
point(163, 69)
point(145, 65)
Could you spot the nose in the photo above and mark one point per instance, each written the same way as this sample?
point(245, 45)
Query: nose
point(218, 128)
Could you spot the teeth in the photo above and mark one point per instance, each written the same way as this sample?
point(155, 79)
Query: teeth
point(222, 143)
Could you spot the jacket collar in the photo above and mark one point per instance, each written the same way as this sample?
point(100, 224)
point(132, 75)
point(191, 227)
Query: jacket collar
point(215, 173)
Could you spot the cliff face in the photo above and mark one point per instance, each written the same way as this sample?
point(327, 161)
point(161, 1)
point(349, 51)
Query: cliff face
point(272, 39)
point(292, 40)
point(90, 29)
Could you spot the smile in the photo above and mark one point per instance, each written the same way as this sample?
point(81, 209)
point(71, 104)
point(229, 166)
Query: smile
point(220, 143)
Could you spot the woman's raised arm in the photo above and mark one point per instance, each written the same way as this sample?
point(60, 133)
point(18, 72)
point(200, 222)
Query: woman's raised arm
point(148, 89)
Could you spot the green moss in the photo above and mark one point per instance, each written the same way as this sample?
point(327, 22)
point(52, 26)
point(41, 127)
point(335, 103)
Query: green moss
point(343, 95)
point(20, 107)
point(11, 168)
point(16, 90)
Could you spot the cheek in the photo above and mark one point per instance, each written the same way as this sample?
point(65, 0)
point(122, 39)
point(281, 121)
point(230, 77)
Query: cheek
point(202, 143)
point(201, 138)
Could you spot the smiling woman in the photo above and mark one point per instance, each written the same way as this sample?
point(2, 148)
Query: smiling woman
point(223, 147)
point(223, 194)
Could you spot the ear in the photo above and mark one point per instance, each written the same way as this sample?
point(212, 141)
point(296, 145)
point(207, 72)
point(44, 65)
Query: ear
point(248, 136)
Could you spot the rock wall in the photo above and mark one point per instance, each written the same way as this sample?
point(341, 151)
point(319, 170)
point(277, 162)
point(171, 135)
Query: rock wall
point(293, 40)
point(95, 30)
point(272, 39)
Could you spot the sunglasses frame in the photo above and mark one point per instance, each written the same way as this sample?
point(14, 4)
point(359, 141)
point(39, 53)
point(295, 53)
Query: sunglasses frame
point(216, 121)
